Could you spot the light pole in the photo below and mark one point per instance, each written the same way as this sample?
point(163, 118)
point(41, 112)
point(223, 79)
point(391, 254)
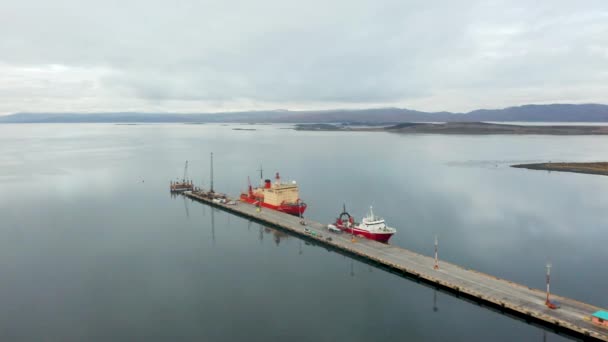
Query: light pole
point(436, 266)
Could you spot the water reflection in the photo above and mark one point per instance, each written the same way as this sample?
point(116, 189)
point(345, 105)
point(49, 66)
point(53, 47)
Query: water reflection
point(277, 234)
point(212, 225)
point(186, 207)
point(261, 233)
point(175, 195)
point(75, 199)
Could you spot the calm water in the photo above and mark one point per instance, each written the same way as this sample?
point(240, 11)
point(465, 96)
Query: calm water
point(93, 247)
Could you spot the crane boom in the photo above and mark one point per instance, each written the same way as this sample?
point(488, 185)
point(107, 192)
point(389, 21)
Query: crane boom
point(185, 172)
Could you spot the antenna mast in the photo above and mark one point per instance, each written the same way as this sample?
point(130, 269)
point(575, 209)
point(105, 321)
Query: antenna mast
point(211, 172)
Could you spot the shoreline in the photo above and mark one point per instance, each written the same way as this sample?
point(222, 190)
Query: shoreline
point(469, 128)
point(591, 168)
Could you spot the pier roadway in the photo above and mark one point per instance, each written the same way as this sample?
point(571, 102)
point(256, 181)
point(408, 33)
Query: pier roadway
point(572, 318)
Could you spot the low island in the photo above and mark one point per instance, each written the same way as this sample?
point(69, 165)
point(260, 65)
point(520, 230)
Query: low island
point(595, 168)
point(476, 128)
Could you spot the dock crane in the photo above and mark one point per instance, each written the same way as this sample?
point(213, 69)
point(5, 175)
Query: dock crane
point(184, 185)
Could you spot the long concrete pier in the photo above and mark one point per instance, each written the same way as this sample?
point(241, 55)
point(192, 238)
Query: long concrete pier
point(572, 318)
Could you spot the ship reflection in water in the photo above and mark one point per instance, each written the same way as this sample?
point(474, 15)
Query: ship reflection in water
point(277, 235)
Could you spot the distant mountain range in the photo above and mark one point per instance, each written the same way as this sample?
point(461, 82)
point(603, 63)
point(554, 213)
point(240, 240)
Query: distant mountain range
point(527, 113)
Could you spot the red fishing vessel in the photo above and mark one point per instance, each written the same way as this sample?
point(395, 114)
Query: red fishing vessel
point(371, 227)
point(278, 196)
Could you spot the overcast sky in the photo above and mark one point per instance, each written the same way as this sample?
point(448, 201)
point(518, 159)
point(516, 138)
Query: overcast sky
point(197, 56)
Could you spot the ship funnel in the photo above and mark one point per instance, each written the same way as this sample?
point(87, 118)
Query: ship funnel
point(267, 184)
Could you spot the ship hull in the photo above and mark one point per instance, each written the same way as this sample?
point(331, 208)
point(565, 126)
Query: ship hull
point(295, 209)
point(380, 237)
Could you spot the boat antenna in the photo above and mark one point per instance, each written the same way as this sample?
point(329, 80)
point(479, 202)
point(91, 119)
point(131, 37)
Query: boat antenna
point(211, 172)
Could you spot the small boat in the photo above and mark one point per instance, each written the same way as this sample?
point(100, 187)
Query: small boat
point(371, 227)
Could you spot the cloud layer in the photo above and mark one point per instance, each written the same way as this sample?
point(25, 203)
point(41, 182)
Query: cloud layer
point(195, 56)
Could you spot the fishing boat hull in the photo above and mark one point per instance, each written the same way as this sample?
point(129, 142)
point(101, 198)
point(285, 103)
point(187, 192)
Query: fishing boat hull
point(380, 237)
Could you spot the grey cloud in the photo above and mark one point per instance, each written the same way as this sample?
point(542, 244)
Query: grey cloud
point(225, 54)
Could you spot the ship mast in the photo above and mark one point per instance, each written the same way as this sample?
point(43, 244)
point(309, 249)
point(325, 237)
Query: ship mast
point(349, 225)
point(302, 222)
point(211, 172)
point(261, 175)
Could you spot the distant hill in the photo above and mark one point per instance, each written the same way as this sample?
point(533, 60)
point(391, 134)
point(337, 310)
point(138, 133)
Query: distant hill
point(130, 117)
point(551, 112)
point(527, 113)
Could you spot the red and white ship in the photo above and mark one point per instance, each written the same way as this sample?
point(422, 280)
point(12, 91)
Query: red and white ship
point(371, 226)
point(278, 196)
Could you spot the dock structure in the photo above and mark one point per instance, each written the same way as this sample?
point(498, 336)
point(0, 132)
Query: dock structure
point(572, 318)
